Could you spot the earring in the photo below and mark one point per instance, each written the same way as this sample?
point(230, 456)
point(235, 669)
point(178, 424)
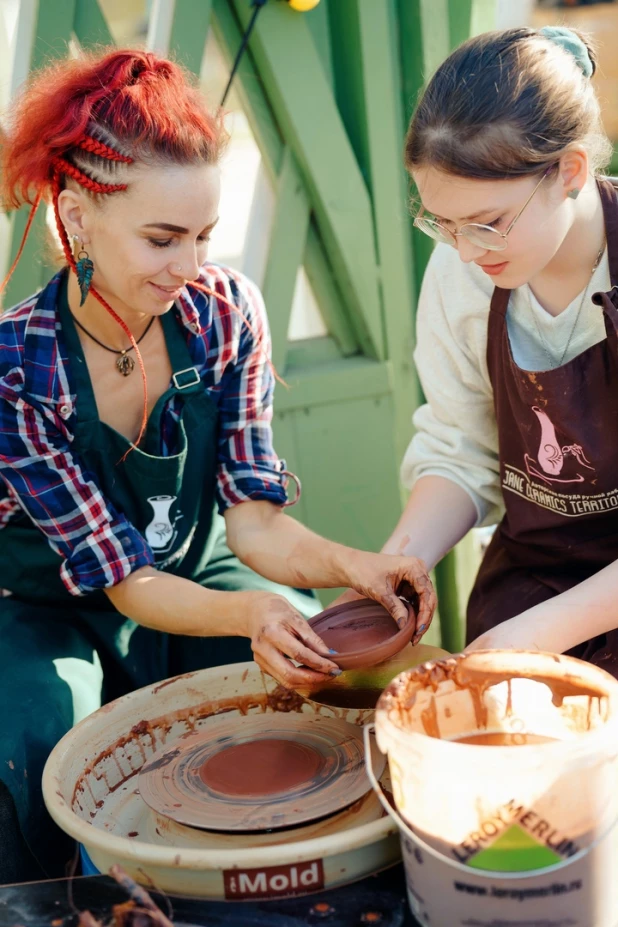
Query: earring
point(573, 194)
point(84, 269)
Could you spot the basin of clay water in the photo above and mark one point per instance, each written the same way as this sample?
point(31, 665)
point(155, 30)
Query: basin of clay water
point(91, 789)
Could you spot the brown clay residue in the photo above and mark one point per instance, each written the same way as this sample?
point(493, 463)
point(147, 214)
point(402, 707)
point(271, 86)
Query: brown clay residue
point(429, 717)
point(503, 739)
point(164, 760)
point(260, 767)
point(532, 377)
point(168, 682)
point(148, 735)
point(400, 695)
point(284, 700)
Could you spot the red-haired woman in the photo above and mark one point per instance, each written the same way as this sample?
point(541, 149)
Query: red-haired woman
point(108, 503)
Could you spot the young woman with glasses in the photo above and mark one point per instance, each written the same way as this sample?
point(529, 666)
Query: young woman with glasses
point(517, 345)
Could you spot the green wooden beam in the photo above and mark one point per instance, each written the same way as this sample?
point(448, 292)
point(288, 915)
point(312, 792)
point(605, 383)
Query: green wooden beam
point(469, 17)
point(309, 353)
point(328, 296)
point(435, 33)
point(248, 84)
point(351, 494)
point(90, 25)
point(452, 632)
point(285, 254)
point(52, 32)
point(317, 20)
point(349, 83)
point(330, 384)
point(285, 54)
point(424, 41)
point(189, 31)
point(378, 42)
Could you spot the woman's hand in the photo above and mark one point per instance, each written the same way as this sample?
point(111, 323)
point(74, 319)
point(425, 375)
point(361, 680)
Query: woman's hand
point(280, 634)
point(386, 577)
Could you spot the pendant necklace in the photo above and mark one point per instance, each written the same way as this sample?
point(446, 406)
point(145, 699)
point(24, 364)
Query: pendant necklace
point(124, 362)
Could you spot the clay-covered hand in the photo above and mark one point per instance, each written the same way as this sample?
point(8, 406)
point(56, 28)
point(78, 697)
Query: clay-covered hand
point(280, 634)
point(391, 578)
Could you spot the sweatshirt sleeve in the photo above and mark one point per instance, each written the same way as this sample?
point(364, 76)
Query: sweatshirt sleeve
point(455, 431)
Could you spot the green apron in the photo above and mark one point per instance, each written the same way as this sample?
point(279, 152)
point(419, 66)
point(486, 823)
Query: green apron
point(63, 656)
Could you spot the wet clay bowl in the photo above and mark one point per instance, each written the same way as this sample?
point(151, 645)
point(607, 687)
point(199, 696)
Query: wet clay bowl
point(361, 688)
point(362, 633)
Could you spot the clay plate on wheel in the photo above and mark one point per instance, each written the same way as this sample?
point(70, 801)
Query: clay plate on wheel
point(257, 773)
point(362, 632)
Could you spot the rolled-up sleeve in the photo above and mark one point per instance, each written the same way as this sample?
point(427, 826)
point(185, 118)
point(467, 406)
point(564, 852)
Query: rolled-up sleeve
point(248, 467)
point(98, 547)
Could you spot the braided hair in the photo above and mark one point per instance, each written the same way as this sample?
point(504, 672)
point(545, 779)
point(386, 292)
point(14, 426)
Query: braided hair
point(90, 119)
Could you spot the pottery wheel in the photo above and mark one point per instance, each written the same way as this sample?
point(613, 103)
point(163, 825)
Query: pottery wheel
point(260, 772)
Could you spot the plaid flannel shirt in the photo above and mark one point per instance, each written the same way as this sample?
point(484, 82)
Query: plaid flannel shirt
point(42, 477)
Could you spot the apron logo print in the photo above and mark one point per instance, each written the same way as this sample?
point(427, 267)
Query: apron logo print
point(161, 532)
point(551, 456)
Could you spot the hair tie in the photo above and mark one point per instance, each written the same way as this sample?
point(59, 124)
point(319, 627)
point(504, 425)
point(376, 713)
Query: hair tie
point(572, 43)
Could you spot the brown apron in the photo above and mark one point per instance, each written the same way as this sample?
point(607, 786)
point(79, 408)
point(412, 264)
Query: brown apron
point(558, 449)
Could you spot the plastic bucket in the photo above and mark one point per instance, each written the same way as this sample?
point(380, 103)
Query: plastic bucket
point(581, 891)
point(544, 796)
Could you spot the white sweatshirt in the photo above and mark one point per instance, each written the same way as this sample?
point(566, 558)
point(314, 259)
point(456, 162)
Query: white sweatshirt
point(456, 435)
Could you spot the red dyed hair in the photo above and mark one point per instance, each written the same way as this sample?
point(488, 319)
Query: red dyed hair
point(89, 119)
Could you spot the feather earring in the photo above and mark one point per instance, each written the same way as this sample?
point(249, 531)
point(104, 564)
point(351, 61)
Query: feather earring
point(84, 268)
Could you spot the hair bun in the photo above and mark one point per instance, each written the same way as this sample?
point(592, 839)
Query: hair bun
point(573, 43)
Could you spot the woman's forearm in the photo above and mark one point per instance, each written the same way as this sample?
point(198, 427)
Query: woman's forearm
point(170, 603)
point(280, 548)
point(438, 514)
point(585, 611)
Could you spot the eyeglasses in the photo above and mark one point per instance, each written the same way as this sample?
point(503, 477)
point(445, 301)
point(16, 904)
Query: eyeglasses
point(483, 236)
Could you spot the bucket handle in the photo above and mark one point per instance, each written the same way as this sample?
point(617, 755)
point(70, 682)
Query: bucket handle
point(369, 729)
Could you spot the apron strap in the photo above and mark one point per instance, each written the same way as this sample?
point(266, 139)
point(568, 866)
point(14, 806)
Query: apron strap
point(495, 328)
point(609, 201)
point(609, 301)
point(185, 376)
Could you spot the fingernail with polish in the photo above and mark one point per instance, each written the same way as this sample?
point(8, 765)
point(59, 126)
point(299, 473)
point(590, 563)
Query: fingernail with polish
point(336, 672)
point(333, 651)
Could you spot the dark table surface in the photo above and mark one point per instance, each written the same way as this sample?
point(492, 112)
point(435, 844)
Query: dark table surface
point(378, 900)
